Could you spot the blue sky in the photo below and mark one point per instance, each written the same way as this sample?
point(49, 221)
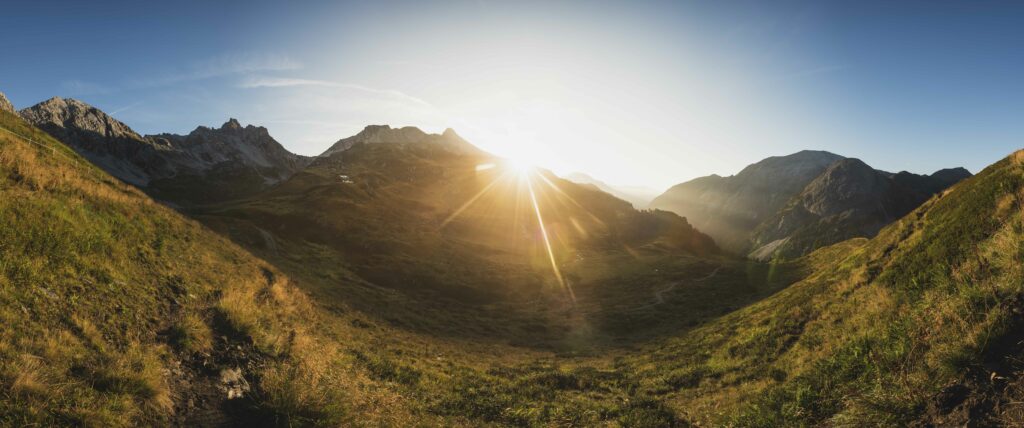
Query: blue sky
point(630, 92)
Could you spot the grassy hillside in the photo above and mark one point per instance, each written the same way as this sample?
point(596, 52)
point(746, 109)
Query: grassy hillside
point(449, 243)
point(119, 312)
point(920, 324)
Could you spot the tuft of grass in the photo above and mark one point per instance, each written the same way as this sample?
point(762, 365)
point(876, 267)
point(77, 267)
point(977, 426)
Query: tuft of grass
point(191, 334)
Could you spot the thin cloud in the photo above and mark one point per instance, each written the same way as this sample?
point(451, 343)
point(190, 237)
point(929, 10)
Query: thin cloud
point(125, 108)
point(220, 66)
point(225, 65)
point(283, 82)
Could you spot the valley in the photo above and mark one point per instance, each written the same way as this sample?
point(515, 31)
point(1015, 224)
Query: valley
point(424, 281)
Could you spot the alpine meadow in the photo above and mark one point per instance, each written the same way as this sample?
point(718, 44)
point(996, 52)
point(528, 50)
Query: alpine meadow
point(487, 213)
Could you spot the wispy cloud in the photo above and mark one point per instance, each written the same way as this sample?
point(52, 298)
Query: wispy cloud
point(125, 108)
point(281, 82)
point(219, 66)
point(225, 65)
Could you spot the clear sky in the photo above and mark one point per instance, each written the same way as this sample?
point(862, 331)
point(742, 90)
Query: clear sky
point(640, 92)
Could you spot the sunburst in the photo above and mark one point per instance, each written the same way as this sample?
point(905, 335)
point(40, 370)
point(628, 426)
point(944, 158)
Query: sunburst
point(531, 183)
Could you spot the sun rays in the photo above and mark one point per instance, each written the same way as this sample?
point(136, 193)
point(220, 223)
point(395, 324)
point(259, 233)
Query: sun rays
point(547, 240)
point(517, 188)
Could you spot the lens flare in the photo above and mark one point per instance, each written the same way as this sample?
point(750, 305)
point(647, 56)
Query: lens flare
point(521, 174)
point(547, 242)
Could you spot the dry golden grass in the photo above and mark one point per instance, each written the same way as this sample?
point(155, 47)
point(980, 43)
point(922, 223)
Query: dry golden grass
point(1017, 157)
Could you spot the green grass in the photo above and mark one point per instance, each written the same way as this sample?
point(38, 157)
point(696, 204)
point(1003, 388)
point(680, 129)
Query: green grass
point(112, 304)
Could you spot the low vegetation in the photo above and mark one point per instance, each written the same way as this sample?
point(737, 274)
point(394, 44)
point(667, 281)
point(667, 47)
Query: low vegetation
point(119, 311)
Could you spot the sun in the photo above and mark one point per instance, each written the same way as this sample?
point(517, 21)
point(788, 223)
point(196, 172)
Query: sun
point(520, 165)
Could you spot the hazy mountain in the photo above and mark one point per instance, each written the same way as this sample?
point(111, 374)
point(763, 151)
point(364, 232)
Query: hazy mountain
point(791, 205)
point(386, 134)
point(207, 165)
point(850, 199)
point(730, 208)
point(639, 196)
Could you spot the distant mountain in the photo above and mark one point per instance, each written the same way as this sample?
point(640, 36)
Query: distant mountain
point(207, 165)
point(386, 134)
point(730, 208)
point(791, 205)
point(850, 199)
point(639, 196)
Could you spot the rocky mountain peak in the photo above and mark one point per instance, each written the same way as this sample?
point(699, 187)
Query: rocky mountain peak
point(231, 124)
point(6, 105)
point(73, 115)
point(373, 134)
point(235, 160)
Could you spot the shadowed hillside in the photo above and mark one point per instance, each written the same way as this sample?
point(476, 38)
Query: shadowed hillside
point(787, 206)
point(431, 227)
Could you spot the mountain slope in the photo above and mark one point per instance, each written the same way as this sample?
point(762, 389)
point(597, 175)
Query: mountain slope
point(119, 312)
point(205, 166)
point(848, 200)
point(729, 208)
point(920, 324)
point(436, 223)
point(791, 205)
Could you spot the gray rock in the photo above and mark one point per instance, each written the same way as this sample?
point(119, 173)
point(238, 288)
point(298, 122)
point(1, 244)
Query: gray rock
point(207, 165)
point(375, 134)
point(730, 208)
point(791, 205)
point(6, 105)
point(233, 383)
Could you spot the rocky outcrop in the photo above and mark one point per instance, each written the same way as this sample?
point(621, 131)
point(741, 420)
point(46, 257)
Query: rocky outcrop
point(246, 147)
point(375, 134)
point(850, 199)
point(730, 208)
point(103, 140)
point(785, 207)
point(6, 105)
point(207, 165)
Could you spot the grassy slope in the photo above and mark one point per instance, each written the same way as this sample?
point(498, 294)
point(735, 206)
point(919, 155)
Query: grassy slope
point(881, 332)
point(920, 325)
point(121, 312)
point(382, 243)
point(113, 303)
point(118, 311)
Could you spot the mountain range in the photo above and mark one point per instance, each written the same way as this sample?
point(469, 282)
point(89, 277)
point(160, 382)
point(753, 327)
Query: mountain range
point(207, 165)
point(788, 206)
point(405, 278)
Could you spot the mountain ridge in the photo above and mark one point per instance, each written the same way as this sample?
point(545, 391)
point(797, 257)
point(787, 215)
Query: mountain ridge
point(787, 206)
point(373, 134)
point(207, 165)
